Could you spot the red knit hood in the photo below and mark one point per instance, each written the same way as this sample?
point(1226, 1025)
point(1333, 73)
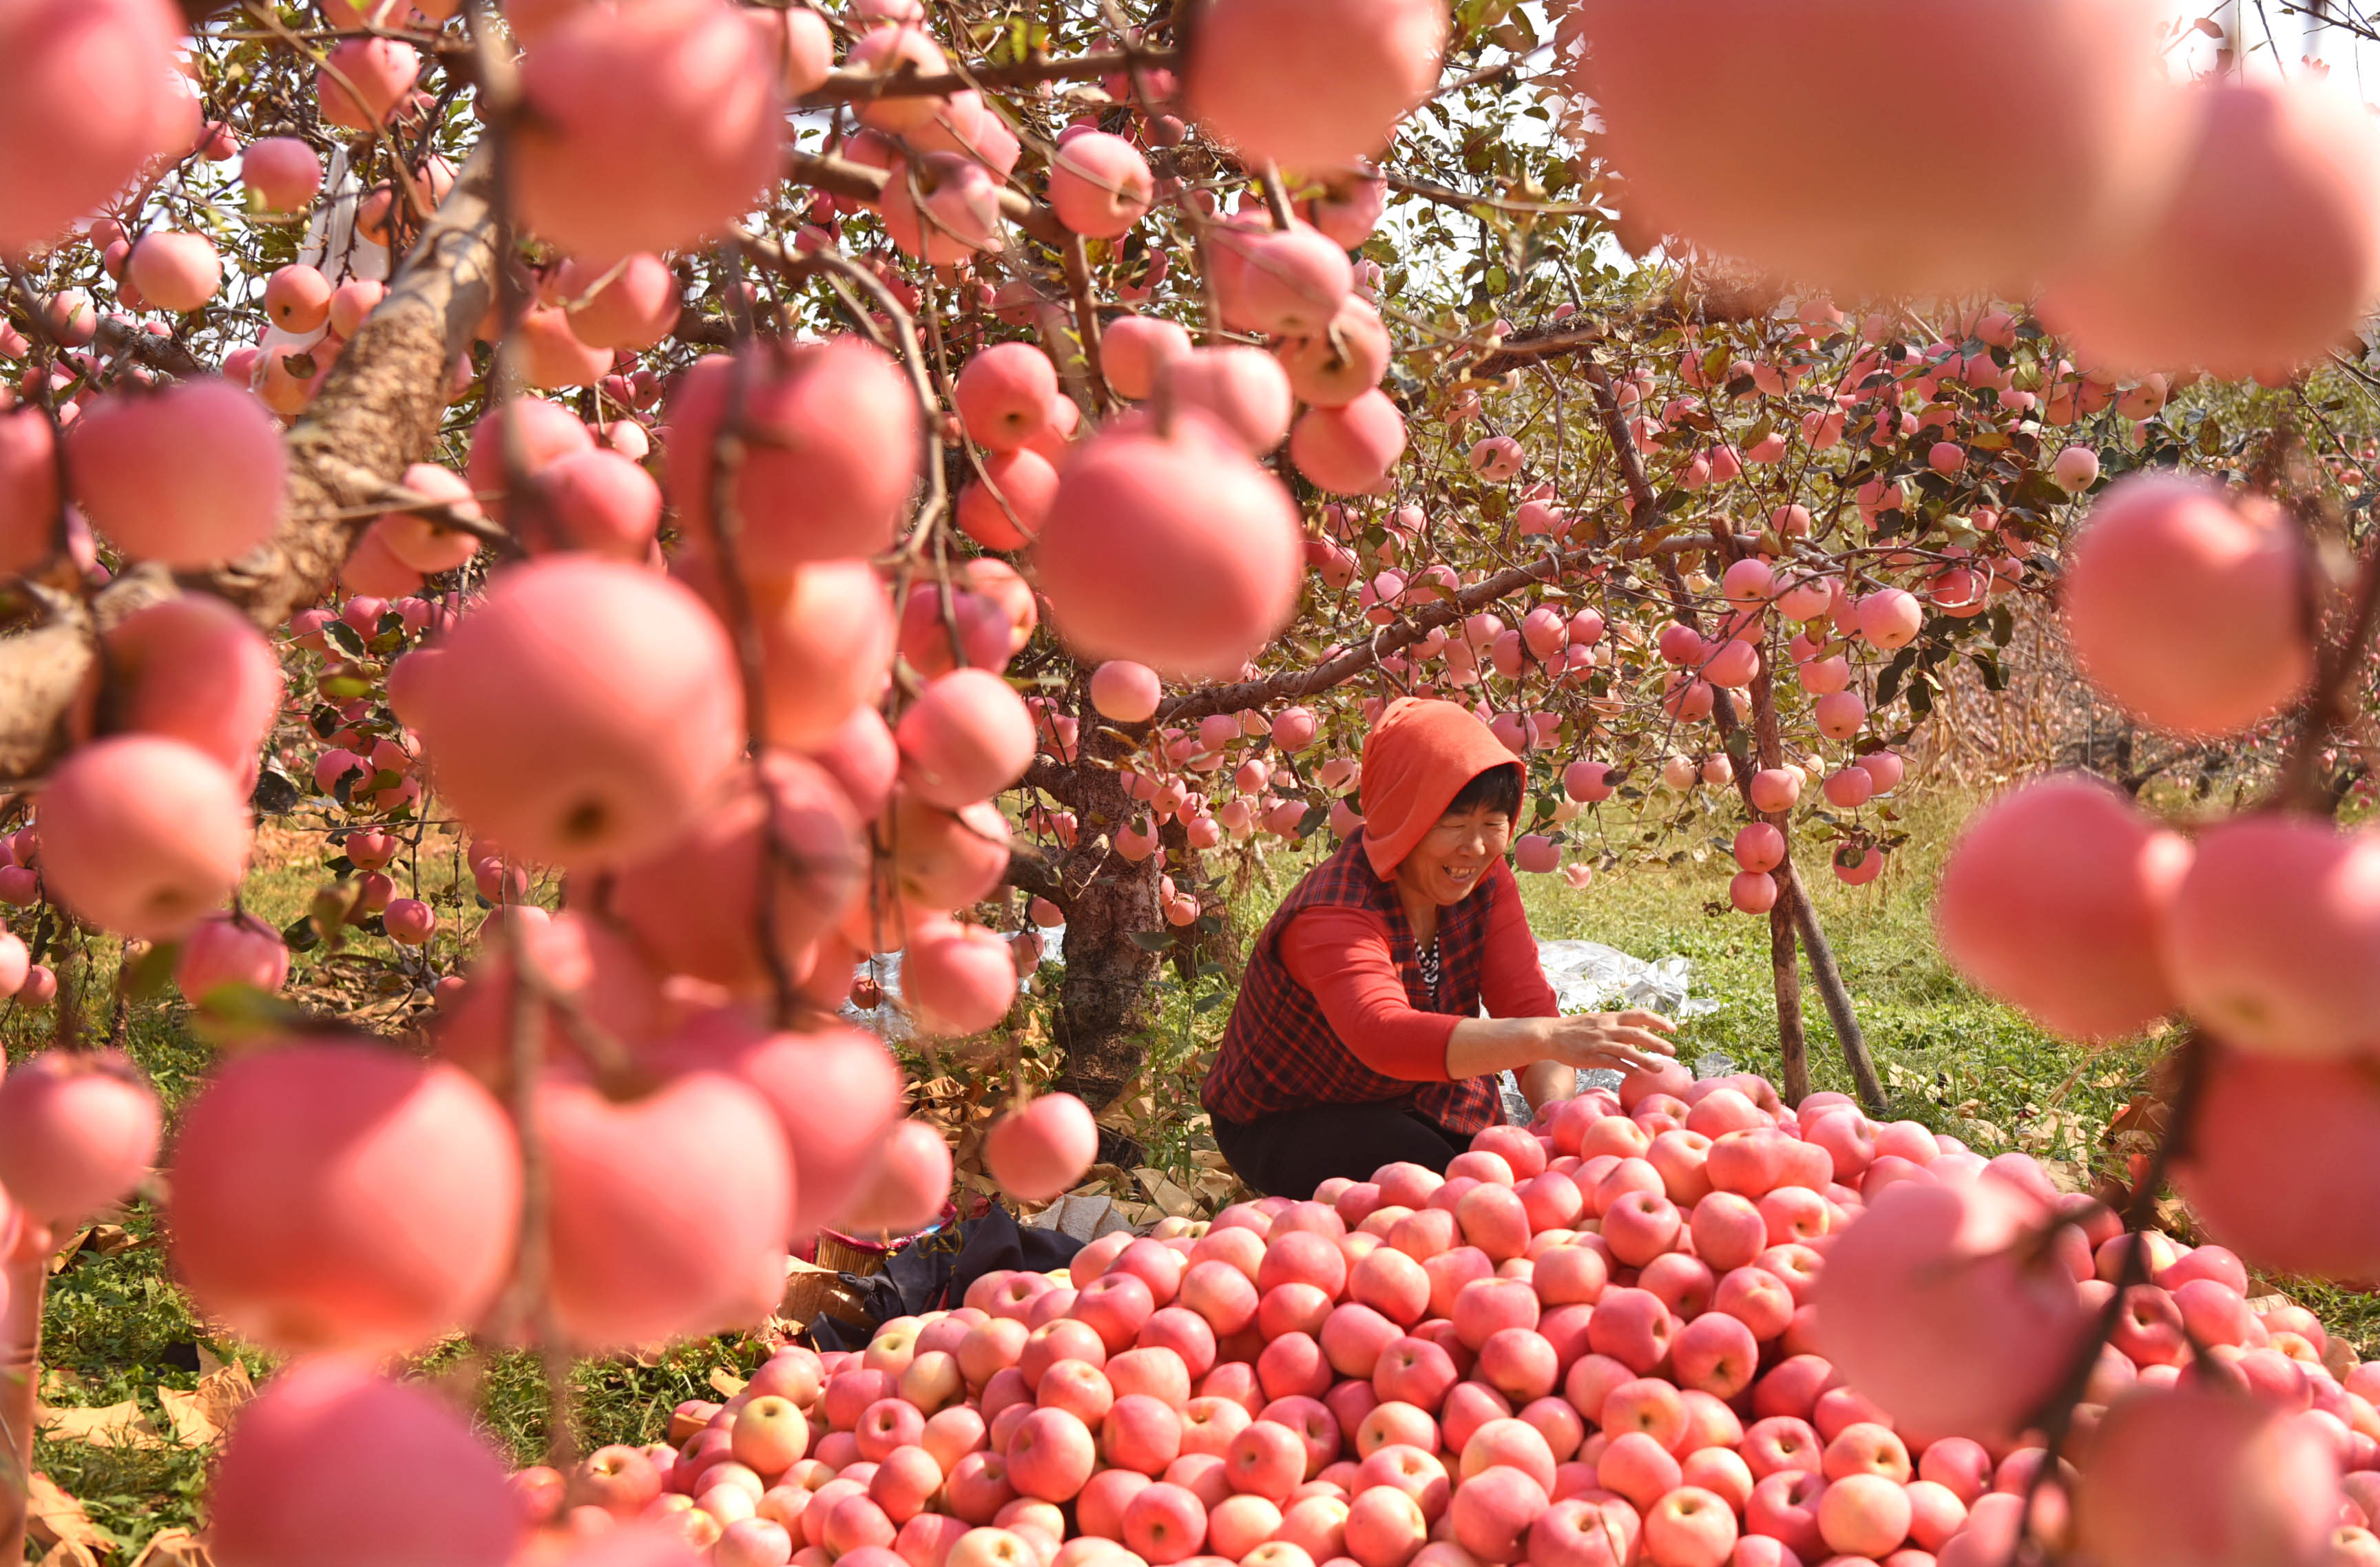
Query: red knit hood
point(1417, 760)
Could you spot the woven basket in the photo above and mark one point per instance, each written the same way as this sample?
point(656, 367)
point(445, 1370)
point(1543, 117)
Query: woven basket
point(862, 1255)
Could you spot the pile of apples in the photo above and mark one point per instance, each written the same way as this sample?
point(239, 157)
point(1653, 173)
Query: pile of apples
point(1683, 1325)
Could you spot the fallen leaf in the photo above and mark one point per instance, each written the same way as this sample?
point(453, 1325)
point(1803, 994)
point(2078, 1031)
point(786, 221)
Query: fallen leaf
point(1176, 1202)
point(66, 1254)
point(67, 1553)
point(224, 1390)
point(113, 1240)
point(186, 1414)
point(117, 1424)
point(53, 1517)
point(725, 1384)
point(173, 1547)
point(2067, 1176)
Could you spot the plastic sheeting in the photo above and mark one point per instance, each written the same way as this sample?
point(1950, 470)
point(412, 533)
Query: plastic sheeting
point(1590, 977)
point(1586, 977)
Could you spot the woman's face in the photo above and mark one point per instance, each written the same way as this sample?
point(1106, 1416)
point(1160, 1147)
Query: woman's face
point(1455, 855)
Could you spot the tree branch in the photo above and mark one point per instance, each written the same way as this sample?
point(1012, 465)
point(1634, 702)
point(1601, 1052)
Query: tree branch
point(378, 413)
point(1035, 875)
point(1052, 779)
point(841, 176)
point(1387, 641)
point(863, 87)
point(1514, 352)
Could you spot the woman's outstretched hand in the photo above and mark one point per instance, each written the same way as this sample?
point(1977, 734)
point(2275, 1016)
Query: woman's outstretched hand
point(1621, 1041)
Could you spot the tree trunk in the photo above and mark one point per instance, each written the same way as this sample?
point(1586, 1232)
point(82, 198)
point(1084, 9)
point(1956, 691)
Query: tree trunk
point(1104, 1007)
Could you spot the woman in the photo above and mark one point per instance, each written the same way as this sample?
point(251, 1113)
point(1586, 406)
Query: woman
point(1358, 1040)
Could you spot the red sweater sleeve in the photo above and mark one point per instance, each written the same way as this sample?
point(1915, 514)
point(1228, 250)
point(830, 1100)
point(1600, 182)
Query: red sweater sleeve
point(1341, 956)
point(1512, 983)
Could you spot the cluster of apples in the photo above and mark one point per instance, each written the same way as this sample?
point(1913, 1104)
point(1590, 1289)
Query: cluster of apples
point(1675, 1329)
point(2071, 901)
point(2155, 212)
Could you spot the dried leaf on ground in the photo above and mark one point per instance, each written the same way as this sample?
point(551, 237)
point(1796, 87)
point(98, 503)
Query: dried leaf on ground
point(56, 1517)
point(173, 1547)
point(1176, 1202)
point(725, 1384)
point(67, 1553)
point(117, 1424)
point(200, 1418)
point(61, 1259)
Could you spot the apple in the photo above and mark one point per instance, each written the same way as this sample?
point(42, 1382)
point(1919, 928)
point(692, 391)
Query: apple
point(1240, 1524)
point(1266, 1460)
point(1689, 1527)
point(1492, 1513)
point(1050, 1456)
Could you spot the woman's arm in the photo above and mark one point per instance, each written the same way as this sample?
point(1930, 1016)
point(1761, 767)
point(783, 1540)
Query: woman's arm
point(1621, 1041)
point(1512, 984)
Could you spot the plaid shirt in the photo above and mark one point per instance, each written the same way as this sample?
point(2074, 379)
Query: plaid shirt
point(1278, 1049)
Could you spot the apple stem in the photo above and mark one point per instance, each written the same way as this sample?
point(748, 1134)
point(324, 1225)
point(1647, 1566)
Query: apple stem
point(2194, 1061)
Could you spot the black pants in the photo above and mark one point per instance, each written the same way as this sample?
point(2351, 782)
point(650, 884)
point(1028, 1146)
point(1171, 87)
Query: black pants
point(1291, 1153)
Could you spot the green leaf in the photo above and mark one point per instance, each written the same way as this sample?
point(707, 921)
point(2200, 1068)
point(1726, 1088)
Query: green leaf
point(1152, 940)
point(343, 637)
point(147, 975)
point(300, 935)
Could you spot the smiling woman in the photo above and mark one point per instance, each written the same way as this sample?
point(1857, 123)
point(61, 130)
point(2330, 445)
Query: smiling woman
point(1358, 1040)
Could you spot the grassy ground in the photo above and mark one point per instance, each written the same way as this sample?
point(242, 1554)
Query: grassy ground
point(117, 1329)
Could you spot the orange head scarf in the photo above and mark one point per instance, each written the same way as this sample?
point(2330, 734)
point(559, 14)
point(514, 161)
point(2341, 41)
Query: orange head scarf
point(1415, 760)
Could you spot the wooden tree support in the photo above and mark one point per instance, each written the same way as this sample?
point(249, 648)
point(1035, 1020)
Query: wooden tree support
point(1787, 975)
point(1831, 993)
point(1793, 897)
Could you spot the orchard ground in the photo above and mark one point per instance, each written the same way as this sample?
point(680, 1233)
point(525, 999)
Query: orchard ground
point(117, 1329)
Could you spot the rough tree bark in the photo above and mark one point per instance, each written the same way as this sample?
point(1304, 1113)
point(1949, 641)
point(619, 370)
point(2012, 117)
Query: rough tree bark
point(378, 412)
point(1103, 1000)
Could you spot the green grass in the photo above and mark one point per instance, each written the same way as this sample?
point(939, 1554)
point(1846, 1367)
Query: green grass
point(119, 1329)
point(1950, 1058)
